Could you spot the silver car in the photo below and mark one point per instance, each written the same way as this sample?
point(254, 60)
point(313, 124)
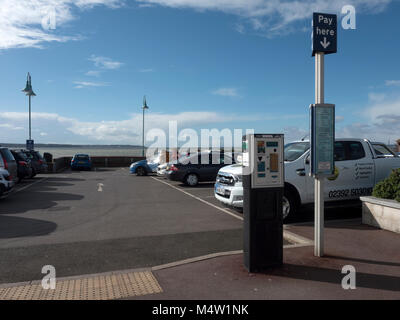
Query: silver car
point(6, 183)
point(7, 162)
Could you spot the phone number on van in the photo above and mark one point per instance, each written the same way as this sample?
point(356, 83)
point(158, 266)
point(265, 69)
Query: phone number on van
point(350, 192)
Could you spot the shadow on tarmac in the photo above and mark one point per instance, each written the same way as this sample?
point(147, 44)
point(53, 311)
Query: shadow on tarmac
point(29, 200)
point(382, 263)
point(334, 276)
point(16, 227)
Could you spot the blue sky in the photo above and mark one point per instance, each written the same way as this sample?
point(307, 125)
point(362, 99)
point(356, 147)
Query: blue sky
point(206, 64)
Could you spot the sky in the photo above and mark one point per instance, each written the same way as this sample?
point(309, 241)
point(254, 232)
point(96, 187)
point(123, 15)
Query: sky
point(238, 64)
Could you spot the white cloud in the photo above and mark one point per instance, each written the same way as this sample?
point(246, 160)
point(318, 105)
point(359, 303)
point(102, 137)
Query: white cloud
point(105, 63)
point(381, 121)
point(21, 20)
point(61, 129)
point(93, 73)
point(272, 16)
point(226, 92)
point(374, 97)
point(392, 83)
point(339, 119)
point(85, 84)
point(295, 134)
point(146, 70)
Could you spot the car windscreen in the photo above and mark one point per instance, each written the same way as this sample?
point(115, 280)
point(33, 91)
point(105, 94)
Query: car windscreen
point(39, 155)
point(295, 150)
point(7, 155)
point(20, 156)
point(382, 151)
point(82, 158)
point(29, 155)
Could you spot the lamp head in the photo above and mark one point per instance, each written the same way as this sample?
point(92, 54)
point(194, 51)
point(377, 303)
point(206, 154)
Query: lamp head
point(28, 87)
point(145, 106)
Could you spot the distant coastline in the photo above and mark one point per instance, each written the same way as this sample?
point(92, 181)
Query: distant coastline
point(55, 145)
point(68, 150)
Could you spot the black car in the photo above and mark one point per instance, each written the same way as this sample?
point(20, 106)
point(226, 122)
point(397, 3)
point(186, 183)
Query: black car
point(39, 164)
point(7, 162)
point(24, 164)
point(201, 167)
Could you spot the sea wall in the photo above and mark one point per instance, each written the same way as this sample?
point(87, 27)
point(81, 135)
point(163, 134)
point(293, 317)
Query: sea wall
point(63, 163)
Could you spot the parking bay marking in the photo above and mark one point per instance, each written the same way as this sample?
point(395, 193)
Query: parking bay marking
point(29, 185)
point(100, 187)
point(296, 240)
point(202, 200)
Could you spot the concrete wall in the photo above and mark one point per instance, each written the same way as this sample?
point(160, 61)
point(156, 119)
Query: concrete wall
point(63, 163)
point(381, 213)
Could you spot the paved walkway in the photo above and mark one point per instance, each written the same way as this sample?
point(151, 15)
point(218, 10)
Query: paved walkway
point(374, 253)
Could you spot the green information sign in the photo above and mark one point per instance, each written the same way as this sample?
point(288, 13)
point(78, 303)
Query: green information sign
point(322, 139)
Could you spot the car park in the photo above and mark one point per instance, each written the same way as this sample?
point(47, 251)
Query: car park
point(24, 165)
point(39, 164)
point(7, 162)
point(359, 165)
point(81, 162)
point(200, 167)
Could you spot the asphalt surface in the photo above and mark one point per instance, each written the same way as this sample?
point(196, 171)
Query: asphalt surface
point(71, 222)
point(107, 220)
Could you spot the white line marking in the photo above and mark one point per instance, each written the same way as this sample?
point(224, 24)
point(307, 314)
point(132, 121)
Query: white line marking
point(29, 185)
point(289, 236)
point(296, 239)
point(202, 200)
point(100, 187)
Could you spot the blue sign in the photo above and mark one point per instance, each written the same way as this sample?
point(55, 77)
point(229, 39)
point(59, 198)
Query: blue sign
point(30, 145)
point(324, 35)
point(322, 139)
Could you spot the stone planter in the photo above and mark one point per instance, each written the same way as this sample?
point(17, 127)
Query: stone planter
point(381, 213)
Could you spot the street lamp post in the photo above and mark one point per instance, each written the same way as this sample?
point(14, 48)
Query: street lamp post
point(29, 92)
point(144, 107)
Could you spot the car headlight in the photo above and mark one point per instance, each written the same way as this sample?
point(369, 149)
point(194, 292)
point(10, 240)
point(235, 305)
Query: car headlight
point(237, 178)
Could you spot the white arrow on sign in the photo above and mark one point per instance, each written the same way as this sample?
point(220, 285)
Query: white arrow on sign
point(325, 44)
point(100, 187)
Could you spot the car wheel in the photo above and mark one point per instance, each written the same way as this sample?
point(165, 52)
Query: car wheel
point(289, 205)
point(141, 171)
point(192, 179)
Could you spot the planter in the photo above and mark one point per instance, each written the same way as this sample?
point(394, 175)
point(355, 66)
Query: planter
point(381, 213)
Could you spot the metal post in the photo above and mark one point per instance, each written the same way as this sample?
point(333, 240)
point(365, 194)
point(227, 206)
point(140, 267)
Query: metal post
point(30, 126)
point(319, 180)
point(143, 136)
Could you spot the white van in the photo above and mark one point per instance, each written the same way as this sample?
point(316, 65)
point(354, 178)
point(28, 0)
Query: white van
point(359, 165)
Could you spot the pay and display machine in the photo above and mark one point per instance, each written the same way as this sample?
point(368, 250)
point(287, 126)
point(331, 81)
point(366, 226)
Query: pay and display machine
point(263, 182)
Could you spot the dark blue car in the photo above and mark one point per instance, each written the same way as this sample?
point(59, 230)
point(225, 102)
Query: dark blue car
point(81, 162)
